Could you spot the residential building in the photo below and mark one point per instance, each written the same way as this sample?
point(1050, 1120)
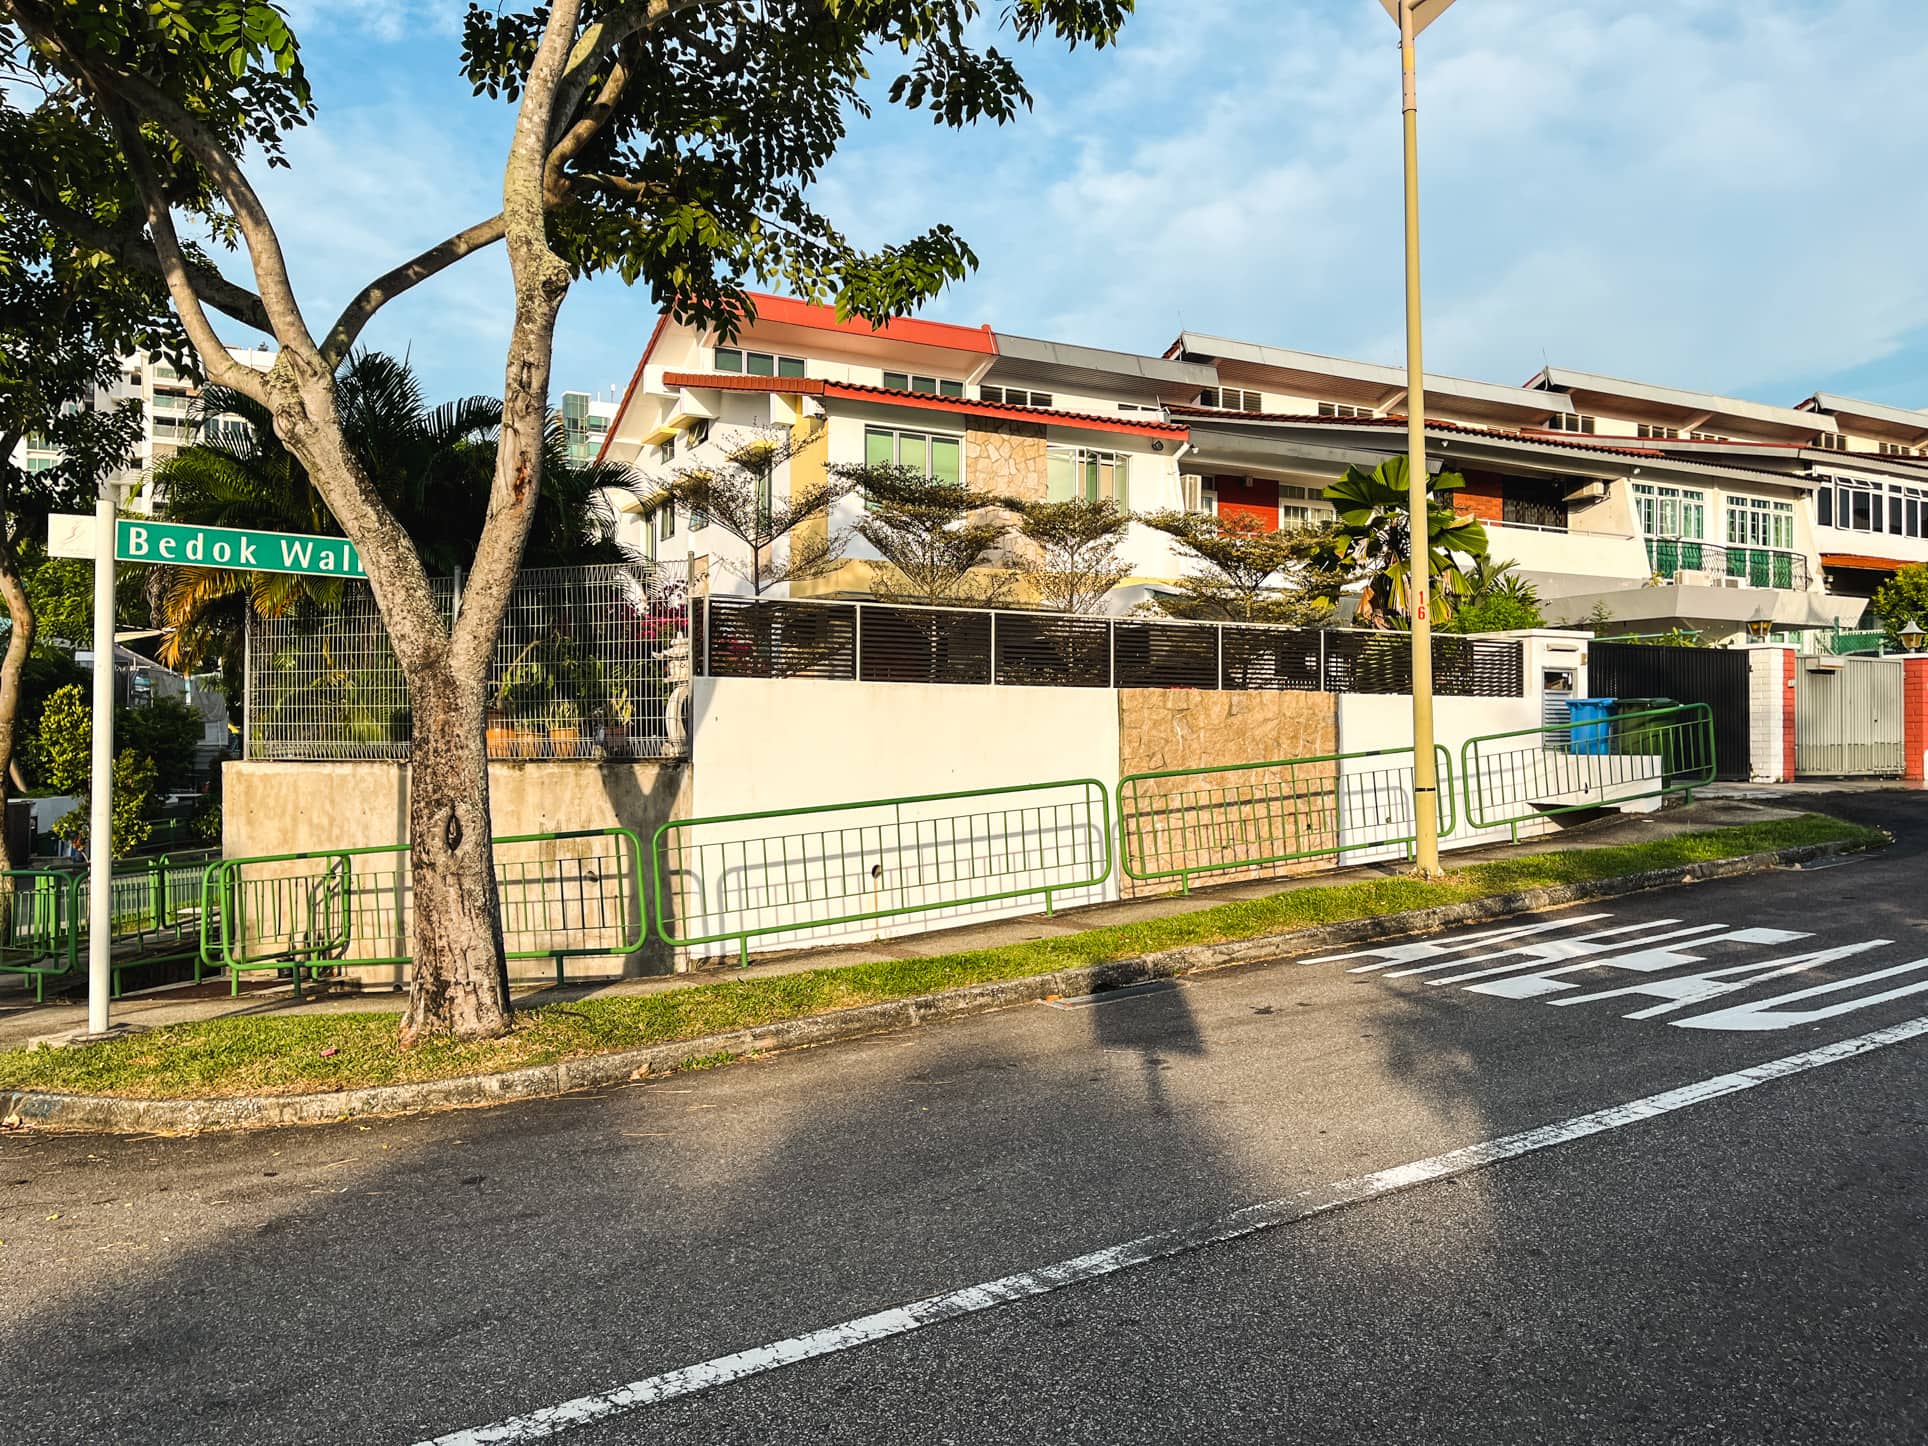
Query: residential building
point(166, 399)
point(1647, 506)
point(585, 422)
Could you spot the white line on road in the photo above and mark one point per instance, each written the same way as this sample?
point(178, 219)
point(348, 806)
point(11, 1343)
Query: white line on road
point(901, 1320)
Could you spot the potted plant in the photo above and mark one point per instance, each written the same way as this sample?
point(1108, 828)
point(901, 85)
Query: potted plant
point(619, 713)
point(565, 728)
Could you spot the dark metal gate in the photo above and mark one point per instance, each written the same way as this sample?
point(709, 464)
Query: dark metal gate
point(1714, 676)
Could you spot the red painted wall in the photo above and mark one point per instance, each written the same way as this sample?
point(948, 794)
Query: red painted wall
point(1914, 716)
point(1787, 717)
point(1252, 497)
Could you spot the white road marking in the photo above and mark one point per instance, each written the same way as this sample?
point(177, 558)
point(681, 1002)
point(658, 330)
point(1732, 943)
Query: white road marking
point(1026, 1285)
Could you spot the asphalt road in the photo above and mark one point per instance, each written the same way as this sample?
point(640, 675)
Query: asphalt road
point(1746, 1268)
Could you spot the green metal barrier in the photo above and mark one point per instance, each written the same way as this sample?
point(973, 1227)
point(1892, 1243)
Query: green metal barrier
point(729, 879)
point(1179, 822)
point(562, 896)
point(1513, 778)
point(156, 909)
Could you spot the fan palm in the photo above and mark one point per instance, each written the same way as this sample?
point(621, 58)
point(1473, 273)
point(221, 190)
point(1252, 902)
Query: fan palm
point(432, 465)
point(1372, 540)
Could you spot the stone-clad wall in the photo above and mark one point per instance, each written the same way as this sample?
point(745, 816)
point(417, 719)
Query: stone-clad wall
point(1006, 458)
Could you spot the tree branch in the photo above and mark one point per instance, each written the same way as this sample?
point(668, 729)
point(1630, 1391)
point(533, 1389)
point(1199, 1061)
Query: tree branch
point(391, 284)
point(600, 39)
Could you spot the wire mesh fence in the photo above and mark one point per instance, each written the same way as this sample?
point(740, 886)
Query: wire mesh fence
point(803, 871)
point(591, 662)
point(561, 895)
point(1254, 817)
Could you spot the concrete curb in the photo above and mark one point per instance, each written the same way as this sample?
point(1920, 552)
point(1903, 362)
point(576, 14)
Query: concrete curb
point(44, 1110)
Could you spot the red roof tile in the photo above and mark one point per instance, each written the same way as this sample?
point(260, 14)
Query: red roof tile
point(788, 311)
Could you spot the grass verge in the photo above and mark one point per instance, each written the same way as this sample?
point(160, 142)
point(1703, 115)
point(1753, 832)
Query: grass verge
point(293, 1054)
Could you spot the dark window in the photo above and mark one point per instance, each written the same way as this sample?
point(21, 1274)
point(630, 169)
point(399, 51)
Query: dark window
point(1894, 515)
point(1863, 511)
point(1824, 506)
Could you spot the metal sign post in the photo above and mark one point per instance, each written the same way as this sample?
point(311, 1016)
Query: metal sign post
point(105, 538)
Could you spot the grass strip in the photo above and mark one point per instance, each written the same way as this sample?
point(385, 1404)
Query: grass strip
point(297, 1053)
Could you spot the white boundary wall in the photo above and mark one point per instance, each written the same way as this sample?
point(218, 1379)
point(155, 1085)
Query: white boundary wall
point(1770, 698)
point(761, 744)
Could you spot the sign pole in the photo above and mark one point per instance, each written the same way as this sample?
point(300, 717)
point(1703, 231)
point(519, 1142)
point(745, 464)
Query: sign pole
point(100, 832)
point(1419, 581)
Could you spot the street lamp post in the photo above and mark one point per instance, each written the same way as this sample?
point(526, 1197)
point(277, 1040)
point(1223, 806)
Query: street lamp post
point(1414, 16)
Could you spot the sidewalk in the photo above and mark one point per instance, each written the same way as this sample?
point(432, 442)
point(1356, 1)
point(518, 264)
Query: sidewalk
point(22, 1022)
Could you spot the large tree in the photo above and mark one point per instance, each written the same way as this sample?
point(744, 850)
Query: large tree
point(673, 141)
point(1243, 571)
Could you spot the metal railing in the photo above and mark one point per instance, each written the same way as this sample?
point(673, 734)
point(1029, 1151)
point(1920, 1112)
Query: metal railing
point(1175, 823)
point(1754, 566)
point(1531, 773)
point(156, 909)
point(898, 643)
point(737, 877)
point(591, 662)
point(562, 896)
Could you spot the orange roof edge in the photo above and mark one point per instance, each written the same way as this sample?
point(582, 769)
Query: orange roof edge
point(788, 311)
point(1863, 560)
point(635, 380)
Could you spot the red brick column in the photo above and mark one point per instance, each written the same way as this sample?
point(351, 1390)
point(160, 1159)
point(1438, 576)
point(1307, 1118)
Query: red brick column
point(1914, 716)
point(1787, 719)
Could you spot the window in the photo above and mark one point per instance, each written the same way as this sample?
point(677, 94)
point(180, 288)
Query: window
point(927, 386)
point(1095, 476)
point(1016, 397)
point(1231, 399)
point(1140, 407)
point(1895, 449)
point(1707, 437)
point(1831, 442)
point(1760, 522)
point(757, 363)
point(1655, 430)
point(1573, 422)
point(1199, 494)
point(696, 434)
point(1343, 409)
point(926, 453)
point(1671, 511)
point(665, 452)
point(1294, 517)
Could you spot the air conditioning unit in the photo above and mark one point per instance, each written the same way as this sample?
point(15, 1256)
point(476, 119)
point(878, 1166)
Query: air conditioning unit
point(1693, 577)
point(1588, 492)
point(1730, 582)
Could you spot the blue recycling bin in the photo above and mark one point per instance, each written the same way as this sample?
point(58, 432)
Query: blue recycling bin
point(1592, 725)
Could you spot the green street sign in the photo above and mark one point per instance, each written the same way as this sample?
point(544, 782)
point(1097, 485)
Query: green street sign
point(183, 545)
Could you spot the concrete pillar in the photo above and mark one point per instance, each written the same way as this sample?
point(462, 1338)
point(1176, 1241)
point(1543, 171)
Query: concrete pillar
point(1770, 690)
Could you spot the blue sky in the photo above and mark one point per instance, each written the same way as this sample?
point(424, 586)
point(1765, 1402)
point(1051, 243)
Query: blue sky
point(1717, 194)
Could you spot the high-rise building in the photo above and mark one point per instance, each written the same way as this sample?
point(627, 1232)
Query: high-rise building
point(585, 422)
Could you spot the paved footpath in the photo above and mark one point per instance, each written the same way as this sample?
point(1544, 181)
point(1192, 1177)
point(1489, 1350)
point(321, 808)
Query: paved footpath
point(1466, 1239)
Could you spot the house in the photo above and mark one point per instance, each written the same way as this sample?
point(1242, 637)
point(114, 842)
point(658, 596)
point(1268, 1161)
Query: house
point(1647, 506)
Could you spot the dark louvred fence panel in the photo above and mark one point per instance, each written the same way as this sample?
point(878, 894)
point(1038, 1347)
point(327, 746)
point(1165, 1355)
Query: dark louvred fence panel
point(888, 643)
point(912, 645)
point(1717, 677)
point(1155, 655)
point(1053, 650)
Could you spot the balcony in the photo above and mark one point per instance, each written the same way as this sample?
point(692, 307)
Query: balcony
point(1769, 567)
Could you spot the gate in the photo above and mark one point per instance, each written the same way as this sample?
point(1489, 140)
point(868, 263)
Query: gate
point(1714, 676)
point(1847, 717)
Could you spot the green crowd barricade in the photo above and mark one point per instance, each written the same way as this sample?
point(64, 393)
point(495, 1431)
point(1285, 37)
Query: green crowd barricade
point(1180, 822)
point(1532, 773)
point(155, 906)
point(562, 896)
point(736, 877)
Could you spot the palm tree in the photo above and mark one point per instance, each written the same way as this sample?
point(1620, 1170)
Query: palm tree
point(433, 466)
point(1372, 540)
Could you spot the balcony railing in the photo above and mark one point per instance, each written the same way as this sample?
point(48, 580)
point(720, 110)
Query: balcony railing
point(1754, 566)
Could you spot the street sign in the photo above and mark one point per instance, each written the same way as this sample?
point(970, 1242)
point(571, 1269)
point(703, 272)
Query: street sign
point(181, 544)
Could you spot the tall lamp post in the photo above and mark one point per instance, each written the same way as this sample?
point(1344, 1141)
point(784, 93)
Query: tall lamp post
point(1414, 16)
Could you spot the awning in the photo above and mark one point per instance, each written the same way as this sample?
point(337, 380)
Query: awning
point(1863, 562)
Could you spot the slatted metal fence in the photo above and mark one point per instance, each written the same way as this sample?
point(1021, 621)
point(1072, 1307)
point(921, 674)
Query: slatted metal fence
point(731, 878)
point(893, 643)
point(1178, 823)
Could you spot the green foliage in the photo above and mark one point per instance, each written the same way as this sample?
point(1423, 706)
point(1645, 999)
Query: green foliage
point(935, 537)
point(1372, 541)
point(168, 731)
point(738, 494)
point(1246, 572)
point(1497, 599)
point(1901, 600)
point(206, 826)
point(1072, 559)
point(134, 777)
point(61, 752)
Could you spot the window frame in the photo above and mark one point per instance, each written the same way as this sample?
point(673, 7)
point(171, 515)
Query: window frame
point(927, 437)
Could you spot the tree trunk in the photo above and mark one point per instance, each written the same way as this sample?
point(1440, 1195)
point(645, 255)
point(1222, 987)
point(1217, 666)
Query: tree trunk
point(12, 667)
point(461, 984)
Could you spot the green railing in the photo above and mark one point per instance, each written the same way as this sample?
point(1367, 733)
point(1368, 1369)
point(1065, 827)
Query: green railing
point(562, 896)
point(738, 877)
point(1175, 823)
point(1512, 778)
point(1845, 643)
point(156, 909)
